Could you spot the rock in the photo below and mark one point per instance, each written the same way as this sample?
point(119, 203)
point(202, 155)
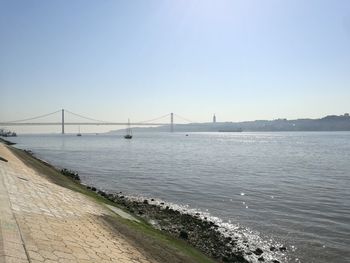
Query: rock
point(233, 242)
point(101, 193)
point(275, 261)
point(145, 202)
point(261, 259)
point(183, 234)
point(283, 249)
point(71, 174)
point(110, 197)
point(272, 248)
point(258, 251)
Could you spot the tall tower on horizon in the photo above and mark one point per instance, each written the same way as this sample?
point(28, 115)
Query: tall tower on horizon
point(214, 118)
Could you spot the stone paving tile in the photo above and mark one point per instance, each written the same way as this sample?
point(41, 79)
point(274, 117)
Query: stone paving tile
point(43, 222)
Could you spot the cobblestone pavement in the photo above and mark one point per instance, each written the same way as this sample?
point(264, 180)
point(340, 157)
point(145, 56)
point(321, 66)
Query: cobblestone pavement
point(43, 222)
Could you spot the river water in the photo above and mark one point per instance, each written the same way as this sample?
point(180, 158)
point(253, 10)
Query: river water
point(290, 187)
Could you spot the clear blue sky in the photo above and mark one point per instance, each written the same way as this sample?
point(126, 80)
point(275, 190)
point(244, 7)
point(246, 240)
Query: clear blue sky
point(243, 60)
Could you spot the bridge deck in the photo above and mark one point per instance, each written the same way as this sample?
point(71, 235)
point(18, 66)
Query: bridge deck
point(79, 123)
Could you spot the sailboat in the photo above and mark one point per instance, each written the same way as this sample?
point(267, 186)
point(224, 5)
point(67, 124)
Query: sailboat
point(128, 131)
point(79, 134)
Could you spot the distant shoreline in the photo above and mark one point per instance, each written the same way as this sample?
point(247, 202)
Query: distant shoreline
point(327, 124)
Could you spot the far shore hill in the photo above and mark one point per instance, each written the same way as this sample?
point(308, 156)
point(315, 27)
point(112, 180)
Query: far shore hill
point(328, 123)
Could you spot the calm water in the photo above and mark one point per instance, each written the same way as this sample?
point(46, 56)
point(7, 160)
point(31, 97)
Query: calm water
point(289, 187)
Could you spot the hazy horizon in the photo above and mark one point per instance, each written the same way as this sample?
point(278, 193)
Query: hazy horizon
point(114, 60)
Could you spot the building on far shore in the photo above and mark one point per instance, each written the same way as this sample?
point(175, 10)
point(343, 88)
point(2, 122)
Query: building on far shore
point(214, 118)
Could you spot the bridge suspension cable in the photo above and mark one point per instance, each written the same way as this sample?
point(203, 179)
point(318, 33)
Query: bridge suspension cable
point(92, 119)
point(185, 119)
point(158, 118)
point(87, 118)
point(33, 118)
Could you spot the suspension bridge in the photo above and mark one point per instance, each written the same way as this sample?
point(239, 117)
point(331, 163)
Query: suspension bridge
point(91, 121)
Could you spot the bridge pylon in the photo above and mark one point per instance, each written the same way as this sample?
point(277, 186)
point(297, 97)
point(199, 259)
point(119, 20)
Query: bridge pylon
point(171, 122)
point(62, 121)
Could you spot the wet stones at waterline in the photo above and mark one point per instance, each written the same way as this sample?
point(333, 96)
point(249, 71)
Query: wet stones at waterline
point(72, 174)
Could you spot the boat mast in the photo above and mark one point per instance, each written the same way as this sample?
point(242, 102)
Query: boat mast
point(129, 132)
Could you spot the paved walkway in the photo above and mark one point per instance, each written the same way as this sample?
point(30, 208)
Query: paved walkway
point(43, 222)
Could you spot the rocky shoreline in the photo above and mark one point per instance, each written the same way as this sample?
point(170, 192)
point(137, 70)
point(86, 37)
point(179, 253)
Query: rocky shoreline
point(195, 229)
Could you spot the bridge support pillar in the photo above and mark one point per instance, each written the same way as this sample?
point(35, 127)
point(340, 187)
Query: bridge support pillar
point(62, 121)
point(171, 122)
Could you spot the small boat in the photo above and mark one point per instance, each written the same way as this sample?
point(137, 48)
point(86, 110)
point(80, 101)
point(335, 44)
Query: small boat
point(79, 134)
point(128, 131)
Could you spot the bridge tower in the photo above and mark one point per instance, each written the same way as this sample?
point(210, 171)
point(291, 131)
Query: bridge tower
point(62, 121)
point(171, 122)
